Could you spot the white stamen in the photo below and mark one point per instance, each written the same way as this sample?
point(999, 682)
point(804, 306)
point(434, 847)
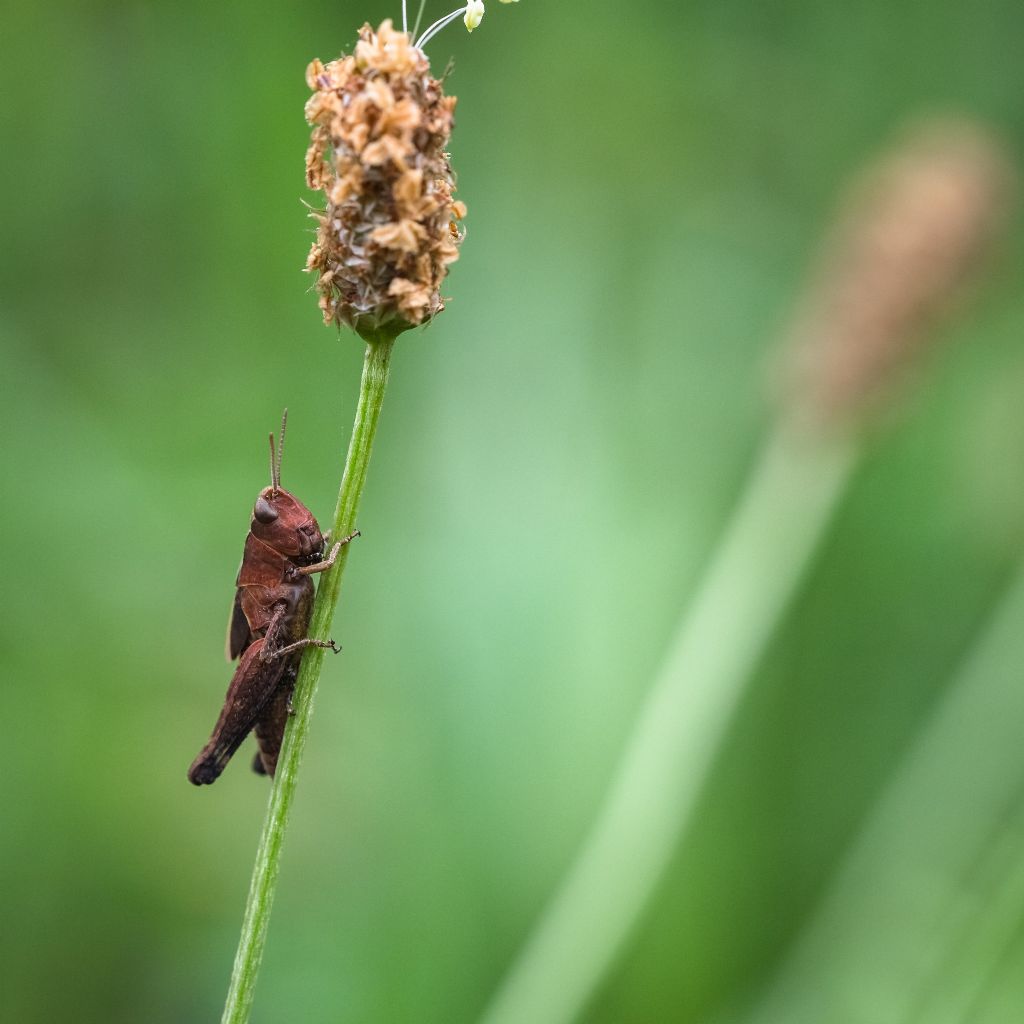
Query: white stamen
point(437, 26)
point(405, 18)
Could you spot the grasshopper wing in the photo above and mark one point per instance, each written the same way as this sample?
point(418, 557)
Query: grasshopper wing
point(239, 635)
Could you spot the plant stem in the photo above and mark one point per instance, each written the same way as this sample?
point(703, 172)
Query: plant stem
point(752, 576)
point(264, 876)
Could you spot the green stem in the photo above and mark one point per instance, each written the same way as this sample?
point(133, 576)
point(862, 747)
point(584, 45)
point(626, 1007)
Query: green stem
point(753, 574)
point(268, 856)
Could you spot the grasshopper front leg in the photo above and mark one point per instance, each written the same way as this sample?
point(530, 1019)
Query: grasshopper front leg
point(309, 570)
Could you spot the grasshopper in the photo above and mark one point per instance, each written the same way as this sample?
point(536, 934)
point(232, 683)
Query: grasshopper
point(269, 621)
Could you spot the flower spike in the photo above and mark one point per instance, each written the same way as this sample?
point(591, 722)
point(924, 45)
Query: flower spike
point(390, 226)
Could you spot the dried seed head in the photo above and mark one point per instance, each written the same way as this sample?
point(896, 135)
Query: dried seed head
point(381, 124)
point(907, 240)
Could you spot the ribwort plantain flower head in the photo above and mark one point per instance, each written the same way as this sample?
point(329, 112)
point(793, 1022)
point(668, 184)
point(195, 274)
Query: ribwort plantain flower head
point(908, 240)
point(390, 228)
point(381, 125)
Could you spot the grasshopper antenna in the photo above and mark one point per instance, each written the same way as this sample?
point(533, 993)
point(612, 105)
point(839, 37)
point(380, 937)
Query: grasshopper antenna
point(275, 457)
point(280, 452)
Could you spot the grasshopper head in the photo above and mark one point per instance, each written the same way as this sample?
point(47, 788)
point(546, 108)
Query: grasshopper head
point(280, 520)
point(283, 523)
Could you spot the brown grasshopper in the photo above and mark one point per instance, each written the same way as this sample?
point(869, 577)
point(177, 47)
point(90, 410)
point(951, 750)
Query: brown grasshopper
point(269, 621)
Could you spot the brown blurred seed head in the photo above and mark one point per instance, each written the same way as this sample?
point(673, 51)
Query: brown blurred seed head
point(907, 240)
point(381, 124)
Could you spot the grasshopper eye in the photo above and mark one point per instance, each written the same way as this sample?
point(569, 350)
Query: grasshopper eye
point(264, 512)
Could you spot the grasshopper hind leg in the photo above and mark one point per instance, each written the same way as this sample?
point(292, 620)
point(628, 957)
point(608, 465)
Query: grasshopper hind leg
point(253, 686)
point(270, 726)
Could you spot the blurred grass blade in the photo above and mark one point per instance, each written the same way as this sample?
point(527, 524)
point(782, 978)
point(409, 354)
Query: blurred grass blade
point(753, 574)
point(910, 230)
point(979, 950)
point(931, 894)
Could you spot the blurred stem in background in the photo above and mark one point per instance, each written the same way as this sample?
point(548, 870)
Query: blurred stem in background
point(264, 878)
point(931, 894)
point(754, 573)
point(910, 232)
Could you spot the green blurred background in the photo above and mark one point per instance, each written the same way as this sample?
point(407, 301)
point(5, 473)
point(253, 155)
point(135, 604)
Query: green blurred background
point(646, 187)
